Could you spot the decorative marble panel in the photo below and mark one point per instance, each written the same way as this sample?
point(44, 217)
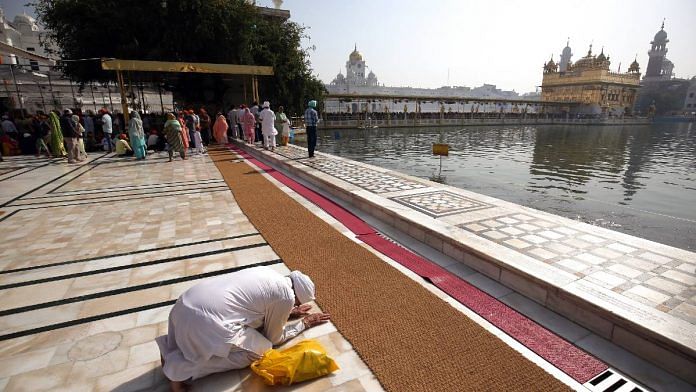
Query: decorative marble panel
point(440, 203)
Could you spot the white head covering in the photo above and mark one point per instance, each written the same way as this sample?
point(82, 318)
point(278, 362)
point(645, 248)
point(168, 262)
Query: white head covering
point(267, 104)
point(303, 286)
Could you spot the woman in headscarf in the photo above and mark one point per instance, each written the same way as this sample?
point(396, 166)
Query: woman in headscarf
point(249, 123)
point(172, 131)
point(185, 137)
point(220, 129)
point(56, 136)
point(81, 153)
point(137, 135)
point(284, 126)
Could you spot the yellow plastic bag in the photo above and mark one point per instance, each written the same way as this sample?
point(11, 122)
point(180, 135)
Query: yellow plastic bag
point(304, 361)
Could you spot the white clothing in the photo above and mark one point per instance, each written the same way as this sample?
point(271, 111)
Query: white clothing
point(107, 125)
point(269, 141)
point(198, 141)
point(268, 118)
point(245, 311)
point(152, 140)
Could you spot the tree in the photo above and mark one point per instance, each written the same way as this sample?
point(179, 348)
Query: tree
point(212, 31)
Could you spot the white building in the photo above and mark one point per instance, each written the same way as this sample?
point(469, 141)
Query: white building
point(355, 81)
point(22, 33)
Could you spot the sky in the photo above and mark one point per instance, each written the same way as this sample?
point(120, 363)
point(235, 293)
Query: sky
point(501, 42)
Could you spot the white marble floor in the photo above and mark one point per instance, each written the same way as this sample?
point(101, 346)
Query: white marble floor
point(93, 257)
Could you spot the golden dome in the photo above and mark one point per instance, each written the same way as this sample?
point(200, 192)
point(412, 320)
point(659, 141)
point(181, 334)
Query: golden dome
point(355, 55)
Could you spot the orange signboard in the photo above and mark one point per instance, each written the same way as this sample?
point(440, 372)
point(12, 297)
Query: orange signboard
point(441, 149)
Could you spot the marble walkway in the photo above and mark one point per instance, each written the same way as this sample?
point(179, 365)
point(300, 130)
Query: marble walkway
point(628, 290)
point(93, 257)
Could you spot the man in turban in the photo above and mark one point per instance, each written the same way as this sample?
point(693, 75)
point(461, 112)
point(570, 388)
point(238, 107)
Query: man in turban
point(229, 321)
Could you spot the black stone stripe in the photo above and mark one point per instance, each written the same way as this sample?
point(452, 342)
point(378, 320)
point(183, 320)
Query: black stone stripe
point(601, 378)
point(51, 205)
point(129, 266)
point(122, 290)
point(92, 167)
point(47, 183)
point(135, 252)
point(24, 172)
point(173, 192)
point(5, 216)
point(126, 311)
point(81, 192)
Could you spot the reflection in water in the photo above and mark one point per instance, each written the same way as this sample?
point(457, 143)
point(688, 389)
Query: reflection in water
point(637, 179)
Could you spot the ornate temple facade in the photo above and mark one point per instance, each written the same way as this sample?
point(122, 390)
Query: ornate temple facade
point(590, 85)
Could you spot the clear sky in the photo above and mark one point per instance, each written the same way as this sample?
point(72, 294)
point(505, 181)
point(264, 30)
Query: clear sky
point(502, 42)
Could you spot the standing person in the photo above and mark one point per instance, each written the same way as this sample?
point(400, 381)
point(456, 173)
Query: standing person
point(227, 322)
point(41, 131)
point(56, 135)
point(9, 128)
point(173, 132)
point(70, 136)
point(107, 128)
point(220, 129)
point(268, 130)
point(185, 138)
point(249, 122)
point(311, 118)
point(284, 126)
point(200, 149)
point(136, 132)
point(257, 130)
point(232, 121)
point(81, 152)
point(240, 126)
point(190, 122)
point(204, 126)
point(89, 122)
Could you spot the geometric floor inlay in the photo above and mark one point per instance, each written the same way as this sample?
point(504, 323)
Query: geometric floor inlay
point(368, 179)
point(440, 203)
point(656, 280)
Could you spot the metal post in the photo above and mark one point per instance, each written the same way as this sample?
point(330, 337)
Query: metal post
point(50, 86)
point(159, 88)
point(111, 103)
point(43, 103)
point(124, 100)
point(72, 90)
point(19, 97)
point(94, 100)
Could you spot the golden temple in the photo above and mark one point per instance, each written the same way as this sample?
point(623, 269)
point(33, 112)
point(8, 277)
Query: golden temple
point(590, 86)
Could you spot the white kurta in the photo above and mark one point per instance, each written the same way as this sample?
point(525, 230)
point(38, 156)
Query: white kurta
point(267, 122)
point(226, 322)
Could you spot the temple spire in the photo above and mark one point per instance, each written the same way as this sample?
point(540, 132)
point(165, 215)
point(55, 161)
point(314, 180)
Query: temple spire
point(663, 24)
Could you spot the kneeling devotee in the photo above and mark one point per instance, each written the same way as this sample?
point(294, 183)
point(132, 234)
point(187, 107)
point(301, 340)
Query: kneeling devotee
point(228, 322)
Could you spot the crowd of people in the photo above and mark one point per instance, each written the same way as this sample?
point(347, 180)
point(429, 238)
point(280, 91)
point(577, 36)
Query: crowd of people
point(186, 132)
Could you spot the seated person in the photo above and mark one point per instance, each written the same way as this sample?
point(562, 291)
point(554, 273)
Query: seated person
point(153, 140)
point(123, 149)
point(229, 321)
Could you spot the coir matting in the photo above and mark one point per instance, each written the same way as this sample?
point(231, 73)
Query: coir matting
point(411, 339)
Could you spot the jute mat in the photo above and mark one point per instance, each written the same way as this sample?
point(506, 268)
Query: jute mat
point(410, 339)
